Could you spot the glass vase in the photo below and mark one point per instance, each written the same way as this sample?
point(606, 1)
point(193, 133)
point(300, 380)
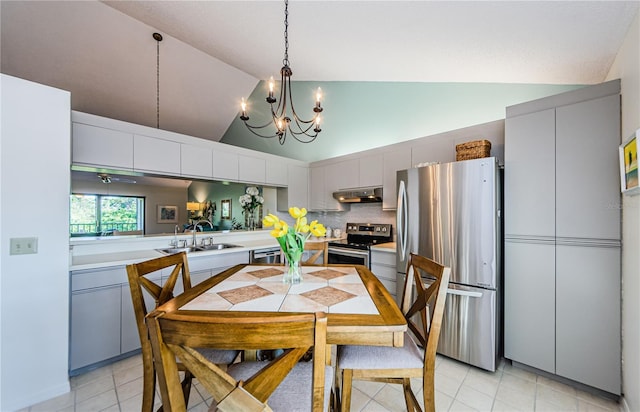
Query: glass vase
point(251, 219)
point(293, 272)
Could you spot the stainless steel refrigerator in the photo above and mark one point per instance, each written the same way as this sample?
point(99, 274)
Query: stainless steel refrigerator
point(451, 213)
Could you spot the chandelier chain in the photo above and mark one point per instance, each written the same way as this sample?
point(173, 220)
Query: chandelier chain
point(283, 115)
point(285, 61)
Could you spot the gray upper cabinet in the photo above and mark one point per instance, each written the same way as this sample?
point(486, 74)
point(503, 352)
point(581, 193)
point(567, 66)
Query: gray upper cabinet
point(370, 171)
point(297, 192)
point(588, 197)
point(392, 162)
point(196, 161)
point(276, 173)
point(225, 165)
point(441, 150)
point(317, 195)
point(251, 169)
point(342, 175)
point(100, 142)
point(529, 174)
point(98, 146)
point(337, 176)
point(298, 186)
point(156, 155)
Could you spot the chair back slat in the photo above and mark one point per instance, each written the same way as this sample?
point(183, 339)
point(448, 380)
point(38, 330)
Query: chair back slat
point(175, 334)
point(320, 249)
point(138, 280)
point(426, 304)
point(423, 308)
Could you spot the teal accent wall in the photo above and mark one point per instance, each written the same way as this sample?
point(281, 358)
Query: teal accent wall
point(359, 116)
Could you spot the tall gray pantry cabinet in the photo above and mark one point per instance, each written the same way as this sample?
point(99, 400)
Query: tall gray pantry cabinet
point(562, 235)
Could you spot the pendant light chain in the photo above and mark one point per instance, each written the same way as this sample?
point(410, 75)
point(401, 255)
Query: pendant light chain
point(158, 38)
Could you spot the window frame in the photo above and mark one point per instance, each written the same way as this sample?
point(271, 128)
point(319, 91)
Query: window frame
point(140, 216)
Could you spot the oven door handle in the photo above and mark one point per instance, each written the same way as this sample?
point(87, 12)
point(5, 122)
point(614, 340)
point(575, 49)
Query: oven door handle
point(347, 252)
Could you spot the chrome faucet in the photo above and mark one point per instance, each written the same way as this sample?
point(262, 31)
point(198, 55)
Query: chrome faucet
point(195, 230)
point(174, 242)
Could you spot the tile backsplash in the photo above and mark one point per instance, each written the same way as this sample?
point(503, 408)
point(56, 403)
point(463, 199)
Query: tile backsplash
point(359, 213)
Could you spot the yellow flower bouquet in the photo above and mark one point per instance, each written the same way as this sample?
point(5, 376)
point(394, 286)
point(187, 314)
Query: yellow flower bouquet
point(291, 239)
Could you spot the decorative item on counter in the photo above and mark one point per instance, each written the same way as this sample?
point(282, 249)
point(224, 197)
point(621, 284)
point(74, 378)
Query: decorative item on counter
point(328, 233)
point(250, 202)
point(337, 233)
point(291, 239)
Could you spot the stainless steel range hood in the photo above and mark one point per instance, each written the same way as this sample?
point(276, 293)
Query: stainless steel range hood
point(366, 195)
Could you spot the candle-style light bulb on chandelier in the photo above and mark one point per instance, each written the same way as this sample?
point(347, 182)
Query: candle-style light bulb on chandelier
point(304, 131)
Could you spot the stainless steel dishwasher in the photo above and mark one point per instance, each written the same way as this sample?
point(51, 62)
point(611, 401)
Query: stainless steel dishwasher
point(267, 255)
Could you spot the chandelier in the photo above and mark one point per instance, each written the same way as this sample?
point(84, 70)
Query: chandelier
point(282, 119)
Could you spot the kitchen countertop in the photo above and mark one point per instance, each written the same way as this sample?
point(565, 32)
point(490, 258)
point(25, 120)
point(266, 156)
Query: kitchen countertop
point(389, 247)
point(121, 258)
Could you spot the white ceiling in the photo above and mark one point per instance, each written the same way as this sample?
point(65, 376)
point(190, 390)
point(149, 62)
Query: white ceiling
point(553, 42)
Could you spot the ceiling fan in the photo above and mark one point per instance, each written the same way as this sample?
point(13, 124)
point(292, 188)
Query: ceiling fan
point(106, 179)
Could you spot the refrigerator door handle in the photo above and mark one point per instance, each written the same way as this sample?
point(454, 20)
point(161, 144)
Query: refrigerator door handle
point(464, 293)
point(401, 220)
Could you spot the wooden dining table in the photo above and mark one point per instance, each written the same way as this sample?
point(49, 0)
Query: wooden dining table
point(360, 311)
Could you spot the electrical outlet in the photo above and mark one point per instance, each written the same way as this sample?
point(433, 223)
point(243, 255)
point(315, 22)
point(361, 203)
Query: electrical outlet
point(23, 245)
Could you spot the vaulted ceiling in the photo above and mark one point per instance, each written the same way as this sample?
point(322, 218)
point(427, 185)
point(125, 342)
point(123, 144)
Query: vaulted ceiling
point(553, 42)
point(386, 66)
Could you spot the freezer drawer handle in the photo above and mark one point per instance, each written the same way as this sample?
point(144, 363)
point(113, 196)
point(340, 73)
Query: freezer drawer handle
point(401, 220)
point(464, 293)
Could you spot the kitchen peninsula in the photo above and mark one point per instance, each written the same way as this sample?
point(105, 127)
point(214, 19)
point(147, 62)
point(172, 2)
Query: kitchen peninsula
point(100, 290)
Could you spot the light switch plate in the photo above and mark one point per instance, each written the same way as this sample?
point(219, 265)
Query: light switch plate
point(23, 245)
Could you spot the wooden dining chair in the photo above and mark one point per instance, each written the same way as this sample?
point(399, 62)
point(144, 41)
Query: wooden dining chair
point(157, 295)
point(283, 384)
point(319, 249)
point(399, 364)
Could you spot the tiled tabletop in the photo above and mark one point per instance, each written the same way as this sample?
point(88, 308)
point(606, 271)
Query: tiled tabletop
point(359, 309)
point(261, 289)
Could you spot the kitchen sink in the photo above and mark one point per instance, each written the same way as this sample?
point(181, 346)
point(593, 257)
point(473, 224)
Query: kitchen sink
point(191, 249)
point(172, 250)
point(217, 246)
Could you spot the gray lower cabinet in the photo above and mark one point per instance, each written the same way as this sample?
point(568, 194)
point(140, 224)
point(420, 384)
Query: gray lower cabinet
point(130, 338)
point(95, 325)
point(588, 315)
point(102, 323)
point(529, 301)
point(383, 265)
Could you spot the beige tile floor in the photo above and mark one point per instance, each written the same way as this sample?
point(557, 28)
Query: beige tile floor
point(118, 387)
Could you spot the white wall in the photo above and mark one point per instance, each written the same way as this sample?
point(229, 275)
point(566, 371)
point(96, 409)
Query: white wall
point(627, 68)
point(34, 165)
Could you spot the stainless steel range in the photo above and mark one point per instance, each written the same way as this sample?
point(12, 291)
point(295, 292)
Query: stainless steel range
point(356, 248)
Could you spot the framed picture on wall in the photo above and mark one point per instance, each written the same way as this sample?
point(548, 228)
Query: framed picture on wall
point(629, 165)
point(225, 209)
point(167, 214)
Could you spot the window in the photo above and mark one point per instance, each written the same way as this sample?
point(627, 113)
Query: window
point(95, 215)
